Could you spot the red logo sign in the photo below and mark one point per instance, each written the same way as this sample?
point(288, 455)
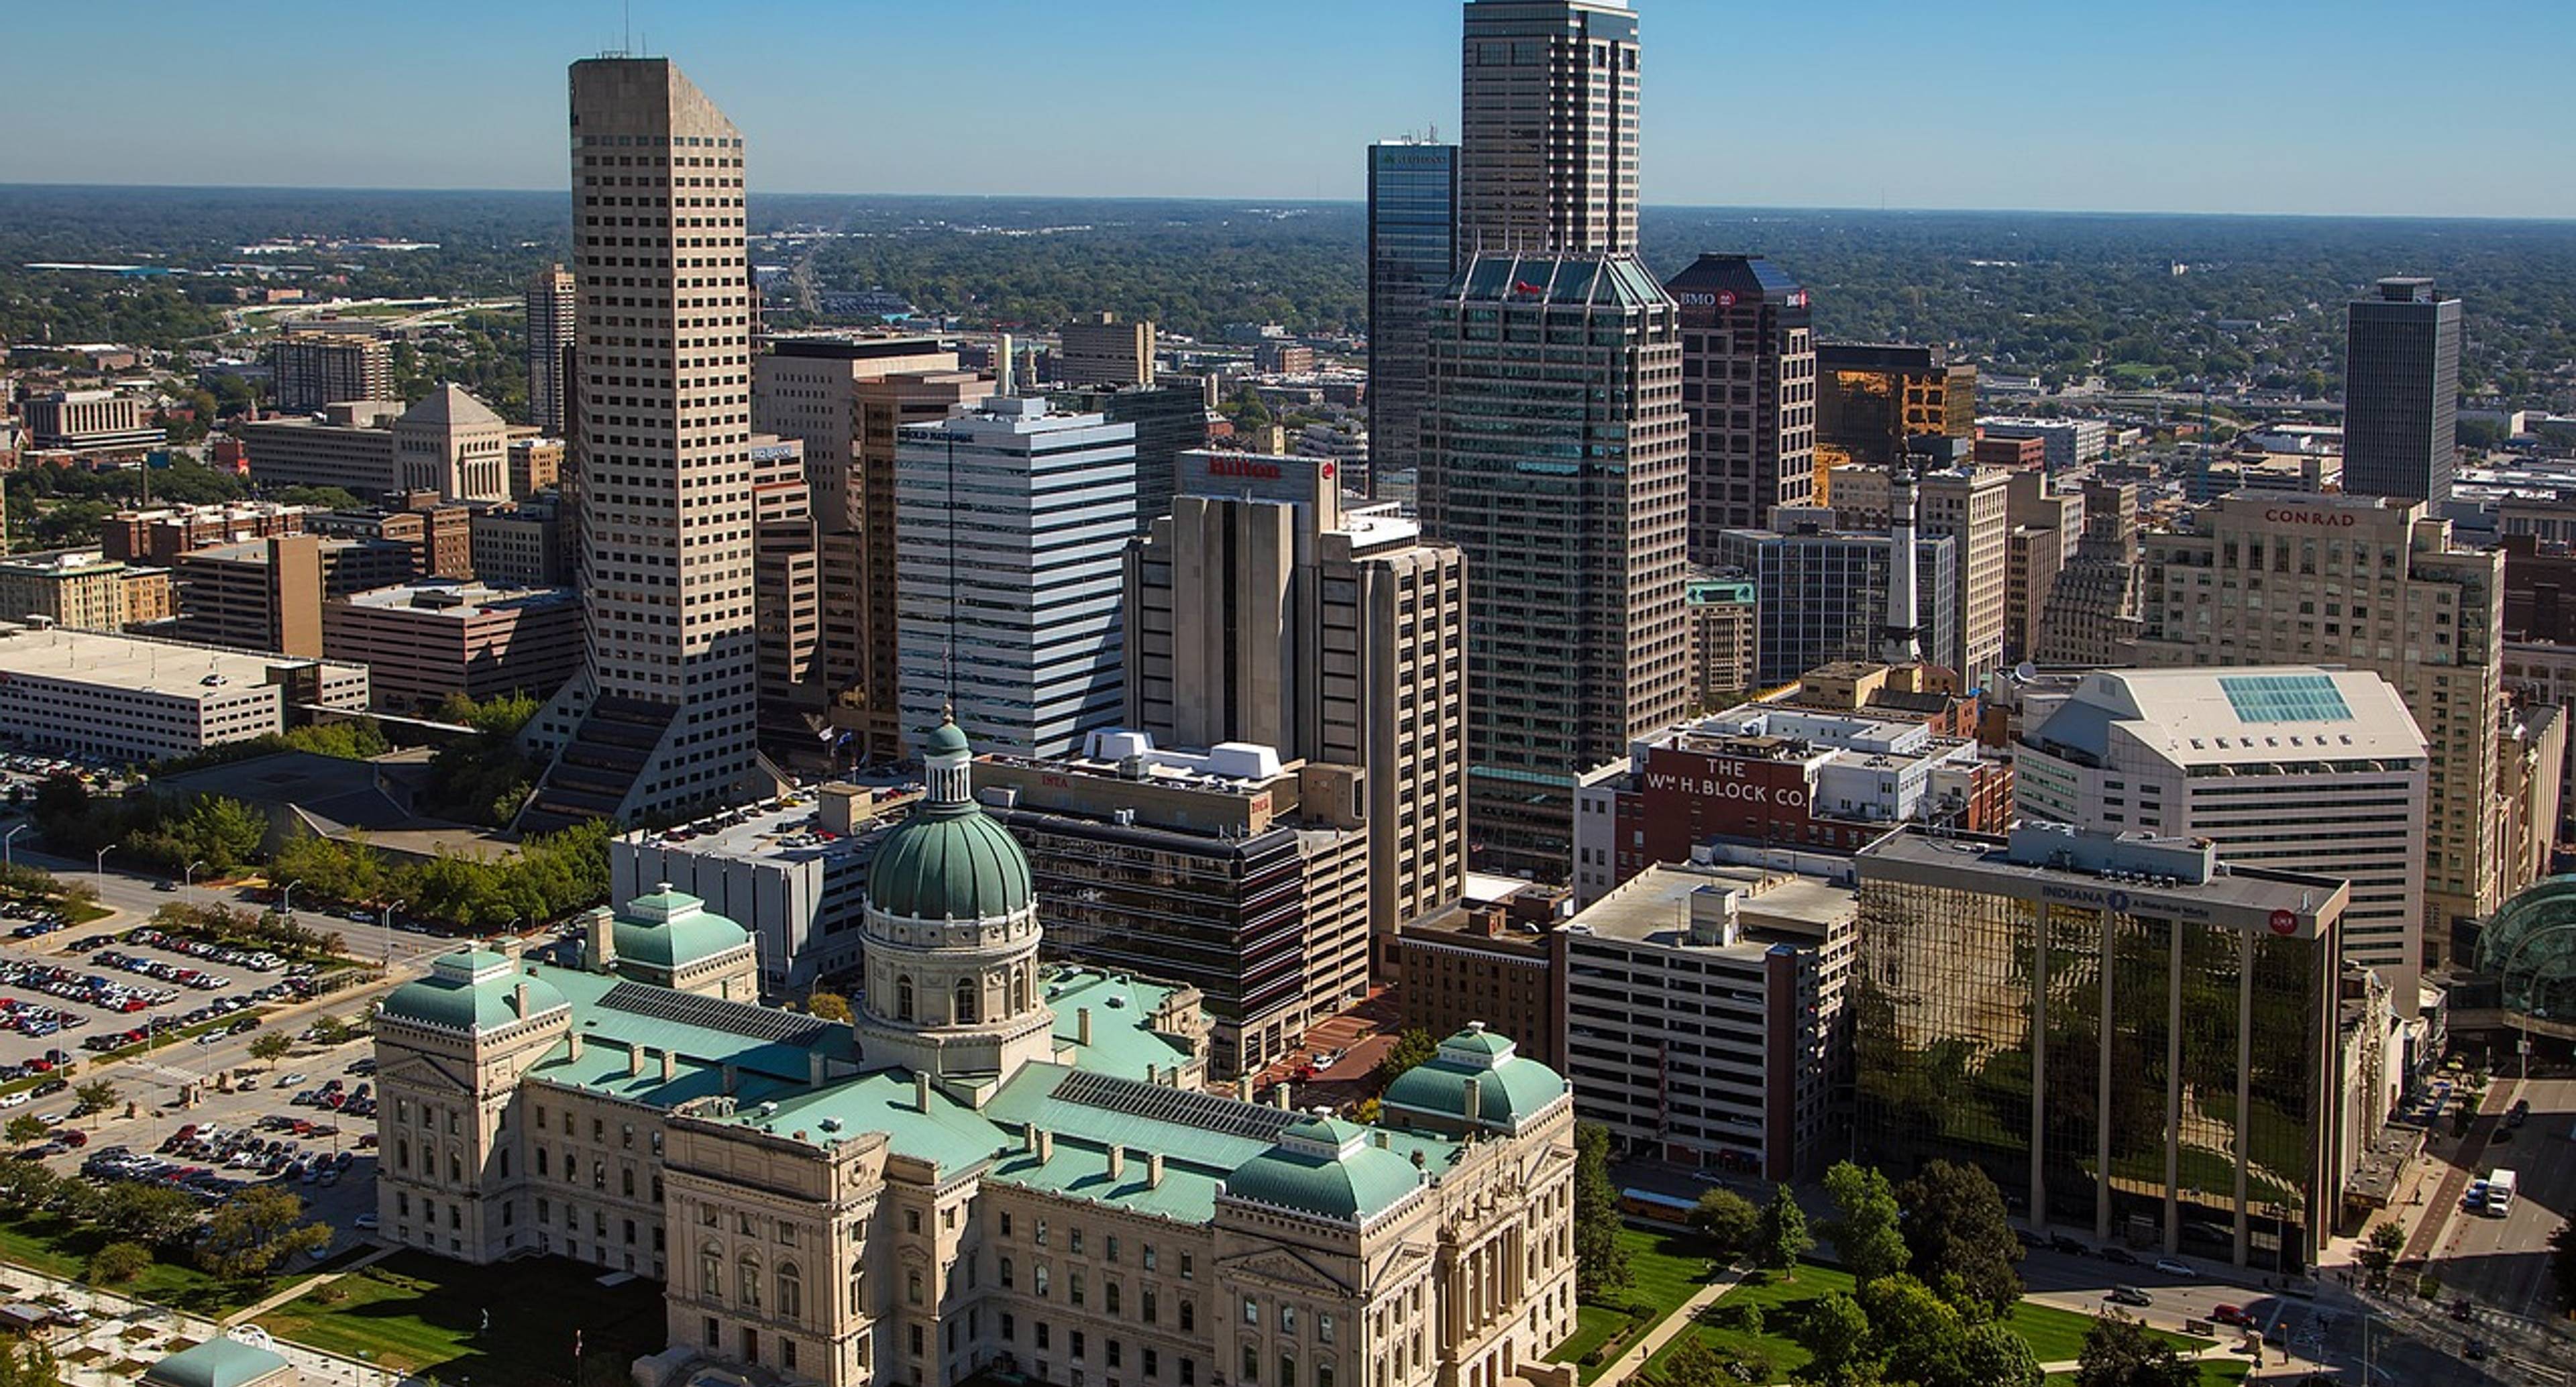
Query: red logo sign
point(1726, 298)
point(1222, 466)
point(1328, 467)
point(2284, 923)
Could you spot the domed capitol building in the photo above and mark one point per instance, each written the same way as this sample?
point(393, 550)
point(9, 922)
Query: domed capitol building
point(999, 1164)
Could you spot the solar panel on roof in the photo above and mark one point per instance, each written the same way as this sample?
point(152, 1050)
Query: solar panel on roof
point(1205, 1111)
point(715, 1014)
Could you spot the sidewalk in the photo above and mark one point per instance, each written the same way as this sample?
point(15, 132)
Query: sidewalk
point(1634, 1360)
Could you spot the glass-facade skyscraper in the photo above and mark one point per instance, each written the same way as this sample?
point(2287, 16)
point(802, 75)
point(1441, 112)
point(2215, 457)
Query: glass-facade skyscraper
point(2401, 392)
point(1412, 250)
point(2134, 1044)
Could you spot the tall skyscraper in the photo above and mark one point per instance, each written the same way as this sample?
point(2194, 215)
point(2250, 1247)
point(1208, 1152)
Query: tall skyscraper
point(2401, 392)
point(1547, 161)
point(1098, 349)
point(551, 308)
point(1259, 611)
point(1871, 397)
point(1412, 250)
point(1749, 387)
point(1554, 456)
point(1011, 525)
point(1171, 418)
point(2269, 578)
point(662, 720)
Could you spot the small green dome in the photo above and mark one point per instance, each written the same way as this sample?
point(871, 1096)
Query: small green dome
point(470, 990)
point(670, 930)
point(1509, 1089)
point(951, 862)
point(218, 1362)
point(947, 739)
point(1325, 1168)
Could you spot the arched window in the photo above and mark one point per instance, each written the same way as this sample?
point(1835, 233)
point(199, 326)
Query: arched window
point(1041, 1274)
point(1189, 1317)
point(1007, 1283)
point(791, 1292)
point(858, 1289)
point(1019, 990)
point(402, 1155)
point(711, 1272)
point(912, 1288)
point(966, 999)
point(1109, 1296)
point(903, 997)
point(747, 1279)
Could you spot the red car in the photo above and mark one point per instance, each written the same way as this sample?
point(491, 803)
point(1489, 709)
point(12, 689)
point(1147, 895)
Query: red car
point(2232, 1314)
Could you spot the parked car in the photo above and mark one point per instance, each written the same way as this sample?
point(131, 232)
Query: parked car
point(2128, 1295)
point(2171, 1267)
point(2121, 1255)
point(2230, 1314)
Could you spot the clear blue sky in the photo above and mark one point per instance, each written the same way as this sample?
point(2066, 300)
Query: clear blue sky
point(2326, 106)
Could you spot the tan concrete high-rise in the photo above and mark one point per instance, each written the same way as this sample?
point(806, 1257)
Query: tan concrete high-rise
point(2376, 584)
point(1259, 611)
point(1101, 350)
point(1972, 506)
point(845, 399)
point(1547, 161)
point(1749, 386)
point(787, 597)
point(662, 720)
point(551, 308)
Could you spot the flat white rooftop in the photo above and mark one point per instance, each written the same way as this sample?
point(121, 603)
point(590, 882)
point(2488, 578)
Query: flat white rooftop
point(129, 662)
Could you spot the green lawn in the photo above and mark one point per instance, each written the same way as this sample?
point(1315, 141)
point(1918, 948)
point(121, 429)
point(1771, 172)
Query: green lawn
point(2054, 1335)
point(61, 1248)
point(1664, 1270)
point(419, 1314)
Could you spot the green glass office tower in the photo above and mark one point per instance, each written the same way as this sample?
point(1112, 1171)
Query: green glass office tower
point(2136, 1043)
point(1412, 250)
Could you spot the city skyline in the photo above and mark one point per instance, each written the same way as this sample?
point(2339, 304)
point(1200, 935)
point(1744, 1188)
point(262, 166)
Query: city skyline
point(2167, 132)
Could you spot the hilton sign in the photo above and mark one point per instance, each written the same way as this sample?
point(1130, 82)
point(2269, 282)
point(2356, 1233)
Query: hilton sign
point(1225, 466)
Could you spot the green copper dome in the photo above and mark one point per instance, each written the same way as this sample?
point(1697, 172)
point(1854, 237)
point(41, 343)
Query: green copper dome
point(950, 860)
point(670, 930)
point(1328, 1169)
point(470, 990)
point(1510, 1089)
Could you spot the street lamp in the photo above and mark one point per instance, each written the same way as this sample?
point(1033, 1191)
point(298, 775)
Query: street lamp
point(100, 867)
point(188, 876)
point(8, 854)
point(286, 899)
point(388, 925)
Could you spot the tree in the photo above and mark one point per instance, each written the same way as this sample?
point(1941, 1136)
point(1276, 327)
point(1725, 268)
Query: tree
point(1782, 1238)
point(117, 1263)
point(1600, 1259)
point(26, 1129)
point(30, 1363)
point(1992, 1355)
point(1863, 1231)
point(98, 1095)
point(2119, 1352)
point(1727, 1219)
point(154, 1215)
point(1835, 1333)
point(1954, 1229)
point(1699, 1362)
point(2562, 1263)
point(331, 1030)
point(828, 1006)
point(2380, 1250)
point(1412, 1048)
point(255, 1230)
point(271, 1047)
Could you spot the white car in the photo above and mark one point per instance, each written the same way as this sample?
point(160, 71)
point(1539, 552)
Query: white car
point(14, 1100)
point(2171, 1267)
point(288, 1081)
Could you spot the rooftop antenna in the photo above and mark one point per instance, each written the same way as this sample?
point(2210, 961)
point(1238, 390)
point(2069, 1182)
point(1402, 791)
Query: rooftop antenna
point(626, 34)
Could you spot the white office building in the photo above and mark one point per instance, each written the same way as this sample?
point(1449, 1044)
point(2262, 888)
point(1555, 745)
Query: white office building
point(1011, 531)
point(2289, 768)
point(2068, 441)
point(126, 699)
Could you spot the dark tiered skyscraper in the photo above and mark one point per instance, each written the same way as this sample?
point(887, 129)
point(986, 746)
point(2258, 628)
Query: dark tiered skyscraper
point(1749, 386)
point(2401, 392)
point(1548, 158)
point(1413, 246)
